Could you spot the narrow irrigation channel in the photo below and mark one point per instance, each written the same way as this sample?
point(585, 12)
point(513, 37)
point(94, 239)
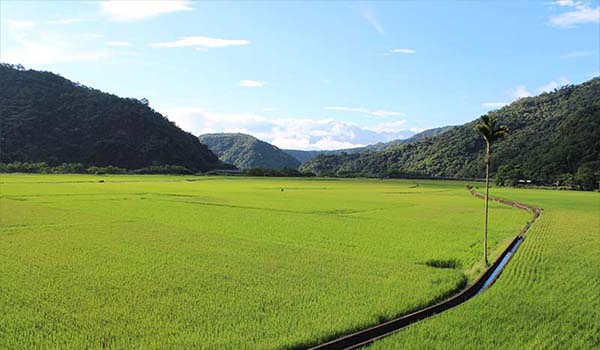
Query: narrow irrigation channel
point(369, 335)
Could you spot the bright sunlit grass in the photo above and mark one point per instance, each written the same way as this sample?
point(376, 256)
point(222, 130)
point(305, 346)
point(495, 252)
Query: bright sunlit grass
point(547, 298)
point(227, 263)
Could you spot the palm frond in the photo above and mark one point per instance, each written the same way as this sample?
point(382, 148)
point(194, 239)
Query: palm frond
point(487, 128)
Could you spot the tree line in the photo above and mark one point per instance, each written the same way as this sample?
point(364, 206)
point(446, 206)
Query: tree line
point(78, 168)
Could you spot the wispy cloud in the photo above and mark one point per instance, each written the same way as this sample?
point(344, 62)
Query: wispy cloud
point(39, 48)
point(68, 21)
point(568, 3)
point(19, 24)
point(92, 35)
point(251, 83)
point(295, 133)
point(118, 43)
point(369, 14)
point(578, 13)
point(388, 126)
point(202, 41)
point(375, 113)
point(553, 84)
point(575, 54)
point(409, 51)
point(136, 10)
point(494, 105)
point(43, 53)
point(519, 92)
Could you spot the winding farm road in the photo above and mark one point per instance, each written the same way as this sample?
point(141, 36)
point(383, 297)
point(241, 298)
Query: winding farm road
point(367, 336)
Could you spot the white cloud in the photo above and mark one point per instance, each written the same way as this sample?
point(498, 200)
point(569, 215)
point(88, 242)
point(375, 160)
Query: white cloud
point(579, 13)
point(202, 41)
point(371, 17)
point(135, 10)
point(418, 130)
point(15, 25)
point(118, 43)
point(550, 86)
point(38, 53)
point(40, 48)
point(381, 113)
point(494, 104)
point(251, 83)
point(92, 35)
point(519, 92)
point(575, 54)
point(375, 113)
point(403, 51)
point(68, 21)
point(568, 3)
point(388, 126)
point(297, 133)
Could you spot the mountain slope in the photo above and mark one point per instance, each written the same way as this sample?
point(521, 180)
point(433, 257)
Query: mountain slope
point(550, 135)
point(305, 156)
point(301, 155)
point(245, 151)
point(45, 117)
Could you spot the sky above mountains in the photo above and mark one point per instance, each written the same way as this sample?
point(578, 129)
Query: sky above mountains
point(310, 75)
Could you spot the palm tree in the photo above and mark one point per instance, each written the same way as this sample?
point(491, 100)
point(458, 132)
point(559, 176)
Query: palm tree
point(487, 128)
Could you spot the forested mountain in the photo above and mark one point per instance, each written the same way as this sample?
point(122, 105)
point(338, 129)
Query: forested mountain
point(305, 156)
point(551, 136)
point(47, 118)
point(301, 155)
point(245, 151)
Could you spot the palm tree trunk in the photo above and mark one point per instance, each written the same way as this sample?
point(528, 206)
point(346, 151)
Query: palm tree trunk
point(487, 192)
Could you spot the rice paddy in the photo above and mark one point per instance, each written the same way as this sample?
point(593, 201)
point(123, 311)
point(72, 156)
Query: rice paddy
point(172, 262)
point(548, 297)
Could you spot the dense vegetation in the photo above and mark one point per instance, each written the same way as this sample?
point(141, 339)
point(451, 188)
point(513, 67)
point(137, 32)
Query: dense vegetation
point(78, 168)
point(245, 151)
point(47, 118)
point(305, 156)
point(164, 262)
point(547, 297)
point(284, 172)
point(551, 137)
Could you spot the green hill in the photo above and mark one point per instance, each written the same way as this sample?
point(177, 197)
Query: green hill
point(551, 136)
point(245, 151)
point(47, 118)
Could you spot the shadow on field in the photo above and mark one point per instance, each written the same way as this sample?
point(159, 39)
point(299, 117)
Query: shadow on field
point(444, 263)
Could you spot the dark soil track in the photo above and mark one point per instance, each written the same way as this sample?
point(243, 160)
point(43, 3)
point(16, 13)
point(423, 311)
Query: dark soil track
point(367, 336)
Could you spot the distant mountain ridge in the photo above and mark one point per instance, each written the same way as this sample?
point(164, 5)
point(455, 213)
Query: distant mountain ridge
point(551, 136)
point(305, 156)
point(47, 118)
point(246, 151)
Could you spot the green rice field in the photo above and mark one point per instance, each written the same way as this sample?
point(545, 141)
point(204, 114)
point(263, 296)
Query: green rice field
point(547, 298)
point(174, 262)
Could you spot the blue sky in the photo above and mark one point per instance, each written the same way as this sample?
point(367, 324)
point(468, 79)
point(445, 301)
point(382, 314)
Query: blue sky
point(310, 75)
